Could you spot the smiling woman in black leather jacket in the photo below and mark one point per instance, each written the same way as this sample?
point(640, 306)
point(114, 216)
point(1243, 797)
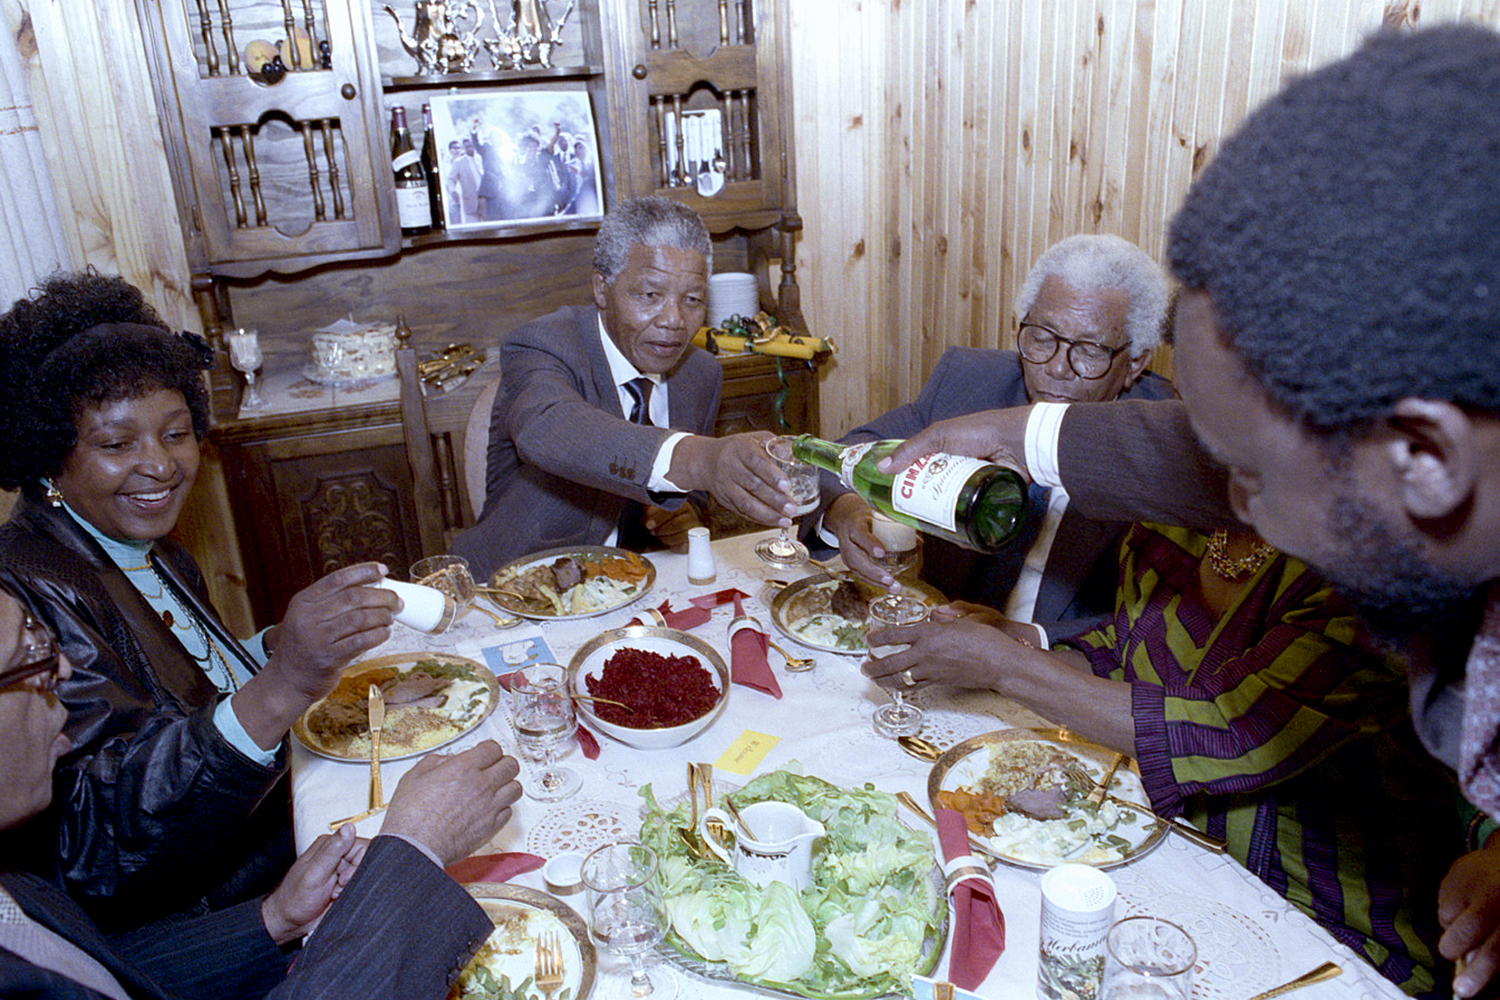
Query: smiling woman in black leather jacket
point(173, 794)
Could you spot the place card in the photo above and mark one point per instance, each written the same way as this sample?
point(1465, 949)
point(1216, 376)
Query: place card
point(746, 752)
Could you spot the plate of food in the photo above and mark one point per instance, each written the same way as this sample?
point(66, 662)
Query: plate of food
point(1024, 793)
point(430, 699)
point(566, 583)
point(649, 687)
point(828, 942)
point(827, 610)
point(505, 965)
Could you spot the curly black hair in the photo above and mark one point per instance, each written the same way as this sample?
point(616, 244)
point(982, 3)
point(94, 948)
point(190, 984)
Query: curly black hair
point(1348, 236)
point(79, 341)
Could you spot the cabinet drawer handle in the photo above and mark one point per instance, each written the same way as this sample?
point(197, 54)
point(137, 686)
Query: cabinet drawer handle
point(639, 71)
point(348, 91)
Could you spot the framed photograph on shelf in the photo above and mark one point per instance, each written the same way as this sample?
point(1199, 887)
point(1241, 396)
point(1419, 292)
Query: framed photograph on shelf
point(517, 156)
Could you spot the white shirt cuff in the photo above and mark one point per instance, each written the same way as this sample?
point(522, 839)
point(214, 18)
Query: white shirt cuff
point(1042, 429)
point(256, 647)
point(231, 730)
point(1042, 641)
point(659, 483)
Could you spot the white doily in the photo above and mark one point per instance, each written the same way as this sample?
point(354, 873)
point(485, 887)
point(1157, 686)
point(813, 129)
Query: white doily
point(582, 826)
point(953, 715)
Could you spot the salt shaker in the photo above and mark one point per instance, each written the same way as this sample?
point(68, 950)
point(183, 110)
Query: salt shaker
point(700, 568)
point(1078, 907)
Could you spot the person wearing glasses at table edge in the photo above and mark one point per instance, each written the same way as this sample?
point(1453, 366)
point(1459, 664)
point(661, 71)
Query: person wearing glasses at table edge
point(173, 795)
point(1092, 311)
point(401, 929)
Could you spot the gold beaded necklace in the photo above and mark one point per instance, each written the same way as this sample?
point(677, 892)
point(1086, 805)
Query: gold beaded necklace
point(1235, 569)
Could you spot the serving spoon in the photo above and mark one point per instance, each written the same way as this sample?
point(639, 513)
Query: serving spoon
point(920, 748)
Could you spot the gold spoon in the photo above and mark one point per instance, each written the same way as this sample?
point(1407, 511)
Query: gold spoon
point(1323, 972)
point(607, 701)
point(796, 664)
point(920, 748)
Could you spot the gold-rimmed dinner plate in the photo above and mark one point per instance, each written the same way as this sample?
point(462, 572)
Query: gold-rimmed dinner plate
point(581, 553)
point(1138, 829)
point(408, 731)
point(520, 916)
point(800, 611)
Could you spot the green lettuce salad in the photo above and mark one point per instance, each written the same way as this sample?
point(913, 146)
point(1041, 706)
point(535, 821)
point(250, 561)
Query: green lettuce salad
point(858, 931)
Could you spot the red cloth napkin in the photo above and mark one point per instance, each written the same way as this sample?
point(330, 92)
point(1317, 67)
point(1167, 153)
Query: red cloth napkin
point(978, 935)
point(687, 618)
point(747, 654)
point(493, 867)
point(718, 597)
point(586, 741)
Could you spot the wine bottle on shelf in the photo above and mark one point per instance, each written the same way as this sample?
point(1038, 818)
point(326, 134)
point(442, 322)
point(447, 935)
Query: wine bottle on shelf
point(968, 501)
point(412, 207)
point(432, 172)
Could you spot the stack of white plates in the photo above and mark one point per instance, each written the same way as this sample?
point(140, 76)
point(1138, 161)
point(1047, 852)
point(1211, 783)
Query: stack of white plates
point(733, 293)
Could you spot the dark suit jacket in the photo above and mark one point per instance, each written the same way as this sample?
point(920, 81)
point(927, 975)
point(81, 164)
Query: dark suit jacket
point(1079, 580)
point(562, 458)
point(402, 929)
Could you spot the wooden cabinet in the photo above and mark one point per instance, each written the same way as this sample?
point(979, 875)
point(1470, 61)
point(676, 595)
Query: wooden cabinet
point(278, 176)
point(288, 208)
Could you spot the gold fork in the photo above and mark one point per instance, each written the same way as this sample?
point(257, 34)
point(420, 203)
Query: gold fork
point(549, 964)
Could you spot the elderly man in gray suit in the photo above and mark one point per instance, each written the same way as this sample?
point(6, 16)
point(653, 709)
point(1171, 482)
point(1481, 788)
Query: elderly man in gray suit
point(1091, 311)
point(604, 419)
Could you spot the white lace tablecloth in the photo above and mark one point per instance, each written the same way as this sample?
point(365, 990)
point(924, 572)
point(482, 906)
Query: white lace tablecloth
point(1249, 938)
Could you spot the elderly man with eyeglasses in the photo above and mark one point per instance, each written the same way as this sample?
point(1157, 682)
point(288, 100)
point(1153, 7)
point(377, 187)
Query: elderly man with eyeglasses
point(1090, 314)
point(401, 927)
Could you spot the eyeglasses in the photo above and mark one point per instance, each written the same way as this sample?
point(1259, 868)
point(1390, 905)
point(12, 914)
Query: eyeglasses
point(38, 658)
point(1039, 344)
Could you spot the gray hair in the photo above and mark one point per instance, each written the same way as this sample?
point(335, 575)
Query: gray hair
point(1096, 262)
point(653, 221)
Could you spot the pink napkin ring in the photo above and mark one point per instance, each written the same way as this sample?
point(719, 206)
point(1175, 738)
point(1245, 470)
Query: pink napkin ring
point(744, 622)
point(964, 868)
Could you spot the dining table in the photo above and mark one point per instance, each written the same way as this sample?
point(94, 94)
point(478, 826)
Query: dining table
point(1249, 938)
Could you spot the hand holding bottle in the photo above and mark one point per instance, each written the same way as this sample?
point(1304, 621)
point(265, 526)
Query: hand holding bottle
point(997, 436)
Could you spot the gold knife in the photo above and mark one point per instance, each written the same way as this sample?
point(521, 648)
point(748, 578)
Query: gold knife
point(377, 722)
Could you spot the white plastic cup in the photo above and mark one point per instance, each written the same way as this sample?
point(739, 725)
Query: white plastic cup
point(425, 609)
point(1078, 908)
point(700, 567)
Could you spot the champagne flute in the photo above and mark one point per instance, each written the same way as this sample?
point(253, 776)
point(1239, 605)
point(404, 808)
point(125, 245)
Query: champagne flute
point(626, 914)
point(542, 709)
point(898, 718)
point(785, 551)
point(246, 357)
point(899, 541)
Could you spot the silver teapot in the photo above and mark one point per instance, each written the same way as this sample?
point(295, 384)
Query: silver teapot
point(436, 42)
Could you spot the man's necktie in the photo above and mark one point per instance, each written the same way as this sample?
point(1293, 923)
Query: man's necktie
point(633, 533)
point(640, 395)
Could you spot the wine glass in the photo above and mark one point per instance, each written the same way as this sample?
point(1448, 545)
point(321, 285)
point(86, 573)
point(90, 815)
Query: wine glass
point(784, 551)
point(626, 914)
point(542, 709)
point(899, 541)
point(246, 357)
point(898, 718)
point(451, 575)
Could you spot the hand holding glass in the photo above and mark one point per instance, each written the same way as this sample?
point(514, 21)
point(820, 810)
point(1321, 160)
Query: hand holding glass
point(898, 718)
point(542, 709)
point(898, 540)
point(626, 914)
point(245, 355)
point(784, 551)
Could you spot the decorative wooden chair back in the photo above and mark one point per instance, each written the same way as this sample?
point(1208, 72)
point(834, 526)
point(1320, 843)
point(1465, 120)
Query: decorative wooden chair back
point(436, 425)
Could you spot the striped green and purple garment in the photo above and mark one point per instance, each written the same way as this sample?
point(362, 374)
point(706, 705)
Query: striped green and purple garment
point(1278, 728)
